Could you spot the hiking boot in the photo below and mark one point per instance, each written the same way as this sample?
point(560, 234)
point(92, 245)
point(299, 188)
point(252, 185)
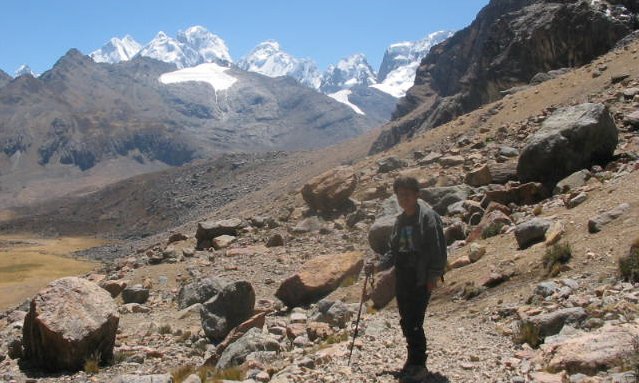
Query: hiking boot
point(414, 373)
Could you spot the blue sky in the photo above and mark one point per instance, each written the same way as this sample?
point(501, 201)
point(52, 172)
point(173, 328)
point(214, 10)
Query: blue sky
point(38, 32)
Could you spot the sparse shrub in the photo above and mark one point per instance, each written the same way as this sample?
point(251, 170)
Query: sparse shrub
point(180, 374)
point(629, 264)
point(337, 338)
point(165, 329)
point(122, 356)
point(492, 230)
point(183, 337)
point(528, 333)
point(470, 290)
point(555, 257)
point(232, 373)
point(92, 363)
point(348, 281)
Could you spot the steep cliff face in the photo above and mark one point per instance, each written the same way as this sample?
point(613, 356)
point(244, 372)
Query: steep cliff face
point(506, 45)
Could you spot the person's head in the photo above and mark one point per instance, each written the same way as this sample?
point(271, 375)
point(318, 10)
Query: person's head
point(407, 191)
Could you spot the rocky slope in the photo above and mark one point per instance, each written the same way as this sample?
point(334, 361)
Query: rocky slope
point(508, 43)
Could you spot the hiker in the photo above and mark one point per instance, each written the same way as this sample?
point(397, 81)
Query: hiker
point(418, 252)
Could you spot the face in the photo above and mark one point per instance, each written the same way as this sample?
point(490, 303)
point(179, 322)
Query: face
point(407, 199)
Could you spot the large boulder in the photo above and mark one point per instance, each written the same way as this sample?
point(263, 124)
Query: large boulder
point(253, 340)
point(526, 194)
point(69, 321)
point(230, 307)
point(531, 232)
point(135, 294)
point(591, 352)
point(319, 277)
point(330, 190)
point(551, 323)
point(571, 139)
point(208, 230)
point(382, 228)
point(199, 291)
point(490, 222)
point(442, 197)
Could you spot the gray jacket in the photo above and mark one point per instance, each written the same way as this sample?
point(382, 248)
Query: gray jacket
point(432, 255)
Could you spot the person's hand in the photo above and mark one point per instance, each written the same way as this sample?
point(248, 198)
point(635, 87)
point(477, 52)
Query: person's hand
point(369, 268)
point(431, 286)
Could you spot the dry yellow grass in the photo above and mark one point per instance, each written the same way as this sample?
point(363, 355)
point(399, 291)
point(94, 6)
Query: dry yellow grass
point(27, 264)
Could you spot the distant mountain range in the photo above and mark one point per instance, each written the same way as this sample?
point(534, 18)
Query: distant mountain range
point(197, 45)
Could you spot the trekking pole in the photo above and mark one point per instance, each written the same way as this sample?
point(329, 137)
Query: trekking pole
point(359, 315)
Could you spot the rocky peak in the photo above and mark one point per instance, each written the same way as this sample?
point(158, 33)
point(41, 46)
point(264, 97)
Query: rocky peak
point(24, 70)
point(117, 50)
point(348, 72)
point(210, 47)
point(269, 59)
point(507, 44)
point(168, 49)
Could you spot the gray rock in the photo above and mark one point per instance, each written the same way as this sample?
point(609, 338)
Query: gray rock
point(552, 323)
point(254, 340)
point(339, 314)
point(571, 139)
point(440, 198)
point(230, 307)
point(573, 181)
point(389, 164)
point(531, 232)
point(546, 289)
point(275, 240)
point(596, 223)
point(308, 225)
point(577, 200)
point(381, 229)
point(199, 291)
point(208, 230)
point(508, 151)
point(135, 294)
point(129, 378)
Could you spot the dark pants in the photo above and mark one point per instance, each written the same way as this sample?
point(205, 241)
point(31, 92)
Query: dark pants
point(412, 302)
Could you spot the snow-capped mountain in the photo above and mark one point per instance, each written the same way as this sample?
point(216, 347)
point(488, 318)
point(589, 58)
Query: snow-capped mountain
point(170, 50)
point(24, 69)
point(210, 47)
point(117, 50)
point(399, 65)
point(348, 73)
point(269, 59)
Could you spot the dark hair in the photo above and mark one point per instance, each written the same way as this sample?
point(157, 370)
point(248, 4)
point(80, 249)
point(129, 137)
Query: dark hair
point(405, 182)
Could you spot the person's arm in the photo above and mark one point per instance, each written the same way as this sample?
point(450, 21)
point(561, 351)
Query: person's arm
point(437, 251)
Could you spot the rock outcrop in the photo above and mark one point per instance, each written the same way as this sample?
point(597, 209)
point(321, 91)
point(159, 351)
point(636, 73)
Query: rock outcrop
point(330, 190)
point(506, 46)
